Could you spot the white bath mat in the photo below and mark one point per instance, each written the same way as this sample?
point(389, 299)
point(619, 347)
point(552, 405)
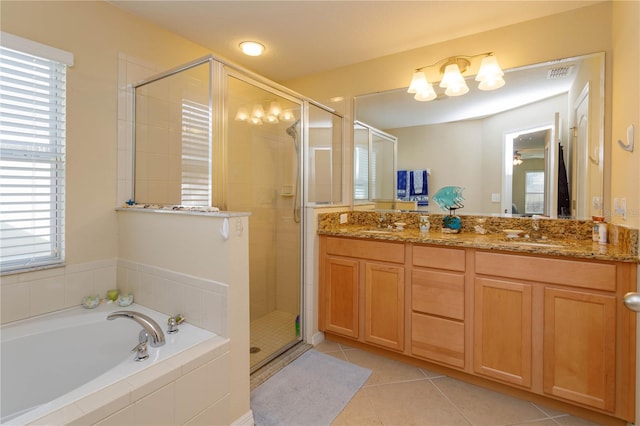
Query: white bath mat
point(310, 391)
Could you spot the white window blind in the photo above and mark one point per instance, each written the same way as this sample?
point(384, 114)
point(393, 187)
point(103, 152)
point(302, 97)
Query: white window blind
point(196, 181)
point(534, 192)
point(361, 174)
point(32, 159)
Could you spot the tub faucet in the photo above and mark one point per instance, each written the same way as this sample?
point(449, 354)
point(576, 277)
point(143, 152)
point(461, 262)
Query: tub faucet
point(153, 330)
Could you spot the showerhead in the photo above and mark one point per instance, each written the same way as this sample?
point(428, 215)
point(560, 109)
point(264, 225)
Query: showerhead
point(291, 130)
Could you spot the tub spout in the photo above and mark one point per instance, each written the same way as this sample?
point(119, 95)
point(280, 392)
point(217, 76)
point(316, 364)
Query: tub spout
point(149, 325)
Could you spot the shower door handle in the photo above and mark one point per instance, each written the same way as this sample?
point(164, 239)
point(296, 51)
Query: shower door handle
point(632, 301)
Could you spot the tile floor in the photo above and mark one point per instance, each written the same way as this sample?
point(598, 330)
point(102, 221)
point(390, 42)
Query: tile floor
point(401, 394)
point(270, 333)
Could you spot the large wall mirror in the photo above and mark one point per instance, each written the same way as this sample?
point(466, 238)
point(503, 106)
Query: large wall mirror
point(534, 146)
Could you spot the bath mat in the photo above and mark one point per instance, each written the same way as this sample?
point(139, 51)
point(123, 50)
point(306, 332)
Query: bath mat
point(310, 391)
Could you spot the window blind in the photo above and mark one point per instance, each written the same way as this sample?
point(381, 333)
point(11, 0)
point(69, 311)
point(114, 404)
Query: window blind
point(32, 160)
point(196, 182)
point(361, 179)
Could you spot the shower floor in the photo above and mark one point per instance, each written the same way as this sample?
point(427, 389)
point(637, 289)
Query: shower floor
point(270, 333)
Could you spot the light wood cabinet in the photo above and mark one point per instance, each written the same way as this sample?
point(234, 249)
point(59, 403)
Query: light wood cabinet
point(502, 330)
point(362, 290)
point(552, 326)
point(341, 300)
point(384, 305)
point(438, 305)
point(579, 347)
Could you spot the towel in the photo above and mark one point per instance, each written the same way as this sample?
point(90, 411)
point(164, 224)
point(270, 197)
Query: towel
point(402, 184)
point(419, 184)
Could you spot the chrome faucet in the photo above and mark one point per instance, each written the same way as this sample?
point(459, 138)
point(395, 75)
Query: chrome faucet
point(151, 328)
point(535, 228)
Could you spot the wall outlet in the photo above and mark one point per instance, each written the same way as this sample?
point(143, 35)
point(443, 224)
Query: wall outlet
point(495, 197)
point(344, 218)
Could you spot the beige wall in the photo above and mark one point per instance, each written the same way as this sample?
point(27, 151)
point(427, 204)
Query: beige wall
point(579, 32)
point(95, 32)
point(625, 172)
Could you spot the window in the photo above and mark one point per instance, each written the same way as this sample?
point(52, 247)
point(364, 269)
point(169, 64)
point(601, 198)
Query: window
point(196, 185)
point(32, 153)
point(361, 172)
point(534, 193)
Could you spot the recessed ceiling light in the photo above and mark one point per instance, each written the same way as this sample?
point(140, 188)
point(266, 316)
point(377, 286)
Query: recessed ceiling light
point(252, 48)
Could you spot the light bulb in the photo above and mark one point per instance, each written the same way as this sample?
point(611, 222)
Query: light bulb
point(419, 82)
point(242, 114)
point(428, 94)
point(251, 48)
point(275, 109)
point(257, 111)
point(490, 74)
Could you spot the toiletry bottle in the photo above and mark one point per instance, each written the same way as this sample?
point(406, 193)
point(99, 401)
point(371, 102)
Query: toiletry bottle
point(425, 225)
point(598, 221)
point(602, 233)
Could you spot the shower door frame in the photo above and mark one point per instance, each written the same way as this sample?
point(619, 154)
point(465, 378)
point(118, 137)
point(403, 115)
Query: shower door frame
point(224, 73)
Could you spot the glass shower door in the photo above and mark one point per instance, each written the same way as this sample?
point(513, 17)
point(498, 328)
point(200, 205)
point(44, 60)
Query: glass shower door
point(263, 177)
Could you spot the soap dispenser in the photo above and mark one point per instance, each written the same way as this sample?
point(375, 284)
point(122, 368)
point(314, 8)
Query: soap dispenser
point(425, 225)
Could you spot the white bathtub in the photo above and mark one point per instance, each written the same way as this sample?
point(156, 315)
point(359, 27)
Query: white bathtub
point(52, 361)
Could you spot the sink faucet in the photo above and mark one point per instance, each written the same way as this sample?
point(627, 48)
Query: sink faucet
point(153, 330)
point(535, 228)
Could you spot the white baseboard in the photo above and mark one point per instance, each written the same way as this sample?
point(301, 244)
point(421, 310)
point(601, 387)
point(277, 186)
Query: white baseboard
point(317, 337)
point(244, 420)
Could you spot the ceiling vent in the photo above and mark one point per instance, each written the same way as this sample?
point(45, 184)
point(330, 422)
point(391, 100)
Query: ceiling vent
point(559, 72)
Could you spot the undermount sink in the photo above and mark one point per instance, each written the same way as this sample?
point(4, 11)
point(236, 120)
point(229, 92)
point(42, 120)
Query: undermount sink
point(529, 243)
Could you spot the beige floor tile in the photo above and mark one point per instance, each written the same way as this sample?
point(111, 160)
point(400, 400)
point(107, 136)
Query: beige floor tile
point(484, 407)
point(543, 422)
point(573, 421)
point(412, 403)
point(358, 412)
point(327, 346)
point(385, 370)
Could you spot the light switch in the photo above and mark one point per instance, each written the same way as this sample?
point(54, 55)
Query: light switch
point(495, 197)
point(344, 218)
point(620, 207)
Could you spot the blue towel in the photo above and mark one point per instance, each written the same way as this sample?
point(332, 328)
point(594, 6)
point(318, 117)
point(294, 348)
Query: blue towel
point(402, 184)
point(418, 183)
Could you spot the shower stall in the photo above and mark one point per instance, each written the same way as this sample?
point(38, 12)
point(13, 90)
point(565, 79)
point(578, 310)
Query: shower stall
point(210, 134)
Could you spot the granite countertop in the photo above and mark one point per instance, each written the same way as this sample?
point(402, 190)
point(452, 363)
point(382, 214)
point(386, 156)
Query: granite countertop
point(585, 249)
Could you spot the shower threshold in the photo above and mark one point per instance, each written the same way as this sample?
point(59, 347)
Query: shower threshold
point(277, 363)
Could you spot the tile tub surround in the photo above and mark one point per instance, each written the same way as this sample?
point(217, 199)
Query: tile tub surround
point(569, 237)
point(189, 388)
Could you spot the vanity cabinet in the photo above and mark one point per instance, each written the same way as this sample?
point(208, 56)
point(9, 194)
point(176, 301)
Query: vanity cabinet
point(548, 325)
point(502, 330)
point(571, 310)
point(362, 290)
point(437, 304)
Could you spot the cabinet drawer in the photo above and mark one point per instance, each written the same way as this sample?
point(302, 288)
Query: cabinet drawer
point(438, 293)
point(437, 339)
point(598, 276)
point(366, 249)
point(438, 257)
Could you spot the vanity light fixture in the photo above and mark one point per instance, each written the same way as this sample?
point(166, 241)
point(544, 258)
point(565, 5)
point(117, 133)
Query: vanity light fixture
point(258, 115)
point(489, 76)
point(252, 48)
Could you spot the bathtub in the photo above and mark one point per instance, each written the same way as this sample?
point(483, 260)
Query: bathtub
point(52, 361)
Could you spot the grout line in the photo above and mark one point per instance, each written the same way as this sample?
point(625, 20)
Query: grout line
point(450, 401)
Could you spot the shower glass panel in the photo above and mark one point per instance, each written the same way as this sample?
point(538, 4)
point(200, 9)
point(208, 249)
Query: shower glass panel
point(324, 162)
point(172, 138)
point(264, 152)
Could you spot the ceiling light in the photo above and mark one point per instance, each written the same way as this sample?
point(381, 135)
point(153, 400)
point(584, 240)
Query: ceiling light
point(452, 69)
point(517, 159)
point(252, 48)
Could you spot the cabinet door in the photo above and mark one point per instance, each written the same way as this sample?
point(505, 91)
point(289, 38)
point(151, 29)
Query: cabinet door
point(502, 330)
point(341, 279)
point(579, 347)
point(384, 305)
